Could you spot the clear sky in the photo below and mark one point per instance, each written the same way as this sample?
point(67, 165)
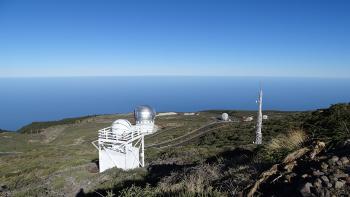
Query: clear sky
point(175, 37)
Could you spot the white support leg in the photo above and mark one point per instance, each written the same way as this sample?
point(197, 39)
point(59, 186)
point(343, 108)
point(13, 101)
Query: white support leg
point(142, 151)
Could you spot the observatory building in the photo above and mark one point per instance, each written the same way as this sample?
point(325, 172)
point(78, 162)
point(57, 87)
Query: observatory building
point(122, 144)
point(225, 117)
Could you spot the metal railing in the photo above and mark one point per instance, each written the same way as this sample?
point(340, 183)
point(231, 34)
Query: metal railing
point(107, 136)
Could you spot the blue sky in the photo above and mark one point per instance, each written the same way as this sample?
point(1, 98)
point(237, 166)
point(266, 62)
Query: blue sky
point(175, 37)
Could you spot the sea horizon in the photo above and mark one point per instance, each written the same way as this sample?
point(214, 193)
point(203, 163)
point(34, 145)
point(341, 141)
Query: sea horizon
point(35, 99)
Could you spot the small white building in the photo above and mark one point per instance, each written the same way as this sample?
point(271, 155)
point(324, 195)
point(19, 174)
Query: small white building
point(167, 114)
point(248, 119)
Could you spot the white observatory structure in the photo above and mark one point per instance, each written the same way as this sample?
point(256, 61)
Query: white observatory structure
point(122, 144)
point(225, 117)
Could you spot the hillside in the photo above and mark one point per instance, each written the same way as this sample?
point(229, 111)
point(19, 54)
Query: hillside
point(188, 156)
point(2, 130)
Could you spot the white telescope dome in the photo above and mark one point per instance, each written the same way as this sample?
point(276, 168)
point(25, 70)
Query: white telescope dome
point(121, 126)
point(144, 114)
point(224, 117)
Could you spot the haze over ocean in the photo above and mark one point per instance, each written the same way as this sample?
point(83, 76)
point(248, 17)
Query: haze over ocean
point(25, 100)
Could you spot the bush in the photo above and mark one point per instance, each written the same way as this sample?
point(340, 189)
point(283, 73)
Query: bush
point(332, 124)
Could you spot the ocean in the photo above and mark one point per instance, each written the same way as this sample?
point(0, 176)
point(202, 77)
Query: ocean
point(24, 100)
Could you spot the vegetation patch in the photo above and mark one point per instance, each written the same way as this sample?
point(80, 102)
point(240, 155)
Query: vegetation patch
point(213, 161)
point(38, 127)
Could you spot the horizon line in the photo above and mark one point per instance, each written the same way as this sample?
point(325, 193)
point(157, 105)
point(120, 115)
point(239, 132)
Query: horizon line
point(170, 75)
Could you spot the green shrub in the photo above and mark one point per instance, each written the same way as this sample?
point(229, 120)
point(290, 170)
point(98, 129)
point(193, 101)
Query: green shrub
point(332, 124)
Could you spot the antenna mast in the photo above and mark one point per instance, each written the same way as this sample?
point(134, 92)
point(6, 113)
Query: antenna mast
point(258, 139)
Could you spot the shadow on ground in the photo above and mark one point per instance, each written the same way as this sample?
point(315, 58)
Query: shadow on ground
point(155, 173)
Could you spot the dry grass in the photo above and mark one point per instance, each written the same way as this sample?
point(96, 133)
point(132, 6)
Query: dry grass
point(290, 141)
point(197, 181)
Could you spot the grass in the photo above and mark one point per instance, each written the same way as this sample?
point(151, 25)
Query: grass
point(195, 182)
point(278, 147)
point(290, 141)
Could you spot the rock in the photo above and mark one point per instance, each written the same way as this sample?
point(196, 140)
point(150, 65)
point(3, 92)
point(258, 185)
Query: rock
point(339, 163)
point(317, 173)
point(325, 179)
point(344, 160)
point(329, 185)
point(304, 176)
point(348, 180)
point(316, 191)
point(318, 183)
point(306, 190)
point(346, 143)
point(333, 160)
point(341, 175)
point(290, 176)
point(324, 166)
point(325, 193)
point(339, 184)
point(332, 178)
point(318, 147)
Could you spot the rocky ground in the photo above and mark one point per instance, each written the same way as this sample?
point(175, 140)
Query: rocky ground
point(310, 171)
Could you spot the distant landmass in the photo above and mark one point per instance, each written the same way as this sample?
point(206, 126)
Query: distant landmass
point(2, 130)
